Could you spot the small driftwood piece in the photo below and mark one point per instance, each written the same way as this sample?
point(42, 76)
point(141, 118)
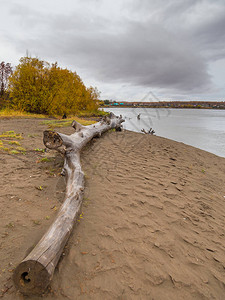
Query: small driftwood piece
point(34, 273)
point(150, 131)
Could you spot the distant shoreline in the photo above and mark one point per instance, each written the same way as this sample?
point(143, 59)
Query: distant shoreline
point(162, 107)
point(172, 104)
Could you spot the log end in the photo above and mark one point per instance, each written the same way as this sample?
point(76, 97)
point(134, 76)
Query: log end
point(31, 277)
point(52, 140)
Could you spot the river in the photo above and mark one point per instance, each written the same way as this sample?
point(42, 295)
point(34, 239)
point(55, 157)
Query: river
point(201, 128)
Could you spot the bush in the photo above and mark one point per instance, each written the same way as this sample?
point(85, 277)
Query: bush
point(38, 87)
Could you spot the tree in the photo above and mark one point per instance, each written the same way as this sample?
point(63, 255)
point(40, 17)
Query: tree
point(5, 72)
point(106, 102)
point(27, 84)
point(36, 86)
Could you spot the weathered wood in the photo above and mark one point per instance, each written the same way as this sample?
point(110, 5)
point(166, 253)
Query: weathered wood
point(34, 273)
point(150, 131)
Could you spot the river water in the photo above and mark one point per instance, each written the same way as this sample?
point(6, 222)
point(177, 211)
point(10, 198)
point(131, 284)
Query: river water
point(201, 128)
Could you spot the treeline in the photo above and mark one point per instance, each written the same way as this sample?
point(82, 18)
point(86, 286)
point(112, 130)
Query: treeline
point(40, 87)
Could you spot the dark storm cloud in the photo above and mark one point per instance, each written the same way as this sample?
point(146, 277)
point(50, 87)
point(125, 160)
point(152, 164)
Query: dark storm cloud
point(142, 54)
point(211, 37)
point(200, 22)
point(161, 51)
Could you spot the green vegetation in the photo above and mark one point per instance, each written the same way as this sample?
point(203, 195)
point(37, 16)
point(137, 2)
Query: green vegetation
point(52, 172)
point(87, 114)
point(106, 102)
point(39, 150)
point(37, 222)
point(14, 143)
point(38, 87)
point(6, 139)
point(86, 202)
point(11, 134)
point(40, 188)
point(9, 112)
point(65, 123)
point(45, 159)
point(14, 152)
point(10, 225)
point(21, 149)
point(4, 149)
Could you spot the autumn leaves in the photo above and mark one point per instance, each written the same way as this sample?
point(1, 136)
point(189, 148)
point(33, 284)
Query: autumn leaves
point(39, 87)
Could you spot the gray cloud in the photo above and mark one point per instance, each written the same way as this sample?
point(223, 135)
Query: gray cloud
point(162, 45)
point(200, 22)
point(141, 53)
point(211, 37)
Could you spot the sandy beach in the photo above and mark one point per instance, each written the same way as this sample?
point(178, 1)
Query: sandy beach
point(152, 222)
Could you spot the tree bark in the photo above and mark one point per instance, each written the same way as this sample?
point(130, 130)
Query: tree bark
point(34, 273)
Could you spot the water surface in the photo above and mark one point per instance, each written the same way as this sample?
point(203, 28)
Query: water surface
point(201, 128)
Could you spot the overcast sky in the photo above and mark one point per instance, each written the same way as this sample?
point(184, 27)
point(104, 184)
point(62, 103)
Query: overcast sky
point(129, 49)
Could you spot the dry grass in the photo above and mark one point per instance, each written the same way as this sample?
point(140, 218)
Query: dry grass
point(66, 123)
point(11, 134)
point(12, 147)
point(7, 112)
point(14, 143)
point(55, 123)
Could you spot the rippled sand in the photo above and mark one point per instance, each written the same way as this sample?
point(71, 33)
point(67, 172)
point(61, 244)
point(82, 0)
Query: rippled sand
point(152, 225)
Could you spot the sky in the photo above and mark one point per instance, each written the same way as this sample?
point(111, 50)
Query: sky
point(131, 50)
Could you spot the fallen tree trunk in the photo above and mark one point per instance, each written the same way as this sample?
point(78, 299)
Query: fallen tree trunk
point(34, 273)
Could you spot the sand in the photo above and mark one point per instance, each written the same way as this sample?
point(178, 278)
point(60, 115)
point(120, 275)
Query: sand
point(152, 225)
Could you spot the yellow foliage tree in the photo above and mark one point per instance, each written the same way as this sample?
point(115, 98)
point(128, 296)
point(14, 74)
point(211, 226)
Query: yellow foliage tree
point(36, 86)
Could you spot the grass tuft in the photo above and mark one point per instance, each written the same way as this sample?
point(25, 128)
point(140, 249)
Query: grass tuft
point(88, 114)
point(11, 134)
point(10, 225)
point(39, 150)
point(45, 159)
point(66, 123)
point(21, 149)
point(14, 143)
point(4, 148)
point(14, 152)
point(37, 222)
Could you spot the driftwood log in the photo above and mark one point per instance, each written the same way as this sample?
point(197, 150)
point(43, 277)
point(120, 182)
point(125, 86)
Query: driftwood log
point(150, 131)
point(34, 273)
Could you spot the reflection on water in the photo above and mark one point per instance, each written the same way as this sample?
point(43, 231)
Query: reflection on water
point(201, 128)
